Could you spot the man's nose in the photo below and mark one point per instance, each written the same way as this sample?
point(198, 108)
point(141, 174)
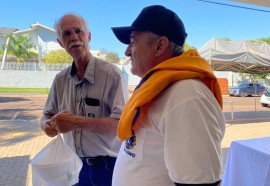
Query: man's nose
point(73, 36)
point(128, 51)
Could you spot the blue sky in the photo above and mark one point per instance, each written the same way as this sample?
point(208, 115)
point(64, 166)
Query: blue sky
point(203, 21)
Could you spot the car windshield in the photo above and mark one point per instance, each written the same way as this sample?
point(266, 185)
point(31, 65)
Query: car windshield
point(248, 84)
point(243, 84)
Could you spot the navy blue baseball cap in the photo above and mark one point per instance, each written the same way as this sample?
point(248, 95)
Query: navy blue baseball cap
point(156, 19)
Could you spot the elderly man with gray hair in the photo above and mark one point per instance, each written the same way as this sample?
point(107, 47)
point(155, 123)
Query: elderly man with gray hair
point(85, 103)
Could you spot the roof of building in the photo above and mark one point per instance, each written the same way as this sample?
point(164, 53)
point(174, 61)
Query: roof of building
point(35, 27)
point(6, 30)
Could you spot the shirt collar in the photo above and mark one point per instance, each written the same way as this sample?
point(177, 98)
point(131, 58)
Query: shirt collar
point(90, 70)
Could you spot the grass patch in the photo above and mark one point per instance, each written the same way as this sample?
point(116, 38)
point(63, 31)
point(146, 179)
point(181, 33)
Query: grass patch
point(24, 90)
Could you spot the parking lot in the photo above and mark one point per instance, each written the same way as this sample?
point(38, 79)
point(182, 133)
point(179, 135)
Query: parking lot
point(29, 106)
point(242, 104)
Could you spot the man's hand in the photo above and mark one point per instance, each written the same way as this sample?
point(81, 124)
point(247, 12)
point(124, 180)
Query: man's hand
point(47, 127)
point(63, 121)
point(49, 130)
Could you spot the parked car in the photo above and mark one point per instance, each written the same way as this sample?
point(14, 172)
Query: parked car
point(265, 98)
point(247, 89)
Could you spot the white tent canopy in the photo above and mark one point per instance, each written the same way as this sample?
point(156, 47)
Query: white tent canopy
point(237, 56)
point(256, 2)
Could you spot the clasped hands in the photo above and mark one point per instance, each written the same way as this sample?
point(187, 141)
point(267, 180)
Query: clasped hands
point(60, 123)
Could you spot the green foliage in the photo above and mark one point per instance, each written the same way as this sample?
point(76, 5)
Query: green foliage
point(254, 76)
point(263, 76)
point(57, 56)
point(262, 40)
point(188, 47)
point(225, 39)
point(25, 90)
point(112, 57)
point(19, 46)
point(33, 54)
point(266, 40)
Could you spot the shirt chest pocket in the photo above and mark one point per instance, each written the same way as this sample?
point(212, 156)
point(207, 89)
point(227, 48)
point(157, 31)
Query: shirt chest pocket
point(92, 108)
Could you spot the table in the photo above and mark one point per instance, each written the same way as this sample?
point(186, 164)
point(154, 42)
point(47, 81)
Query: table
point(248, 163)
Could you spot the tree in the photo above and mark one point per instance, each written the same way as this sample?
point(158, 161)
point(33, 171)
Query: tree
point(266, 40)
point(262, 40)
point(188, 47)
point(112, 57)
point(20, 46)
point(225, 39)
point(253, 77)
point(57, 56)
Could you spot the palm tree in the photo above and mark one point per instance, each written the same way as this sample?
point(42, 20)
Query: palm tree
point(20, 46)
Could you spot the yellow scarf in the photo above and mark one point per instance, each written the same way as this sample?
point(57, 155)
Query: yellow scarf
point(189, 65)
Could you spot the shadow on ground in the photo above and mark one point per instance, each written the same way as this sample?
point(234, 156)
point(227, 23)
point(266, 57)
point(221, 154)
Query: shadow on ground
point(247, 117)
point(11, 99)
point(13, 132)
point(20, 114)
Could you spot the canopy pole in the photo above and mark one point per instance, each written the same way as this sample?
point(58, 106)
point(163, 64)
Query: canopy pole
point(256, 94)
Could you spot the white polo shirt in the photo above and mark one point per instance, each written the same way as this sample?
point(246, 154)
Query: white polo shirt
point(179, 140)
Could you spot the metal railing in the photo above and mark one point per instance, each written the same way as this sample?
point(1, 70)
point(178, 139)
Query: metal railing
point(34, 66)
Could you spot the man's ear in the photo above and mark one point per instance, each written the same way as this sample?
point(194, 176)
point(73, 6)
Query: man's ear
point(89, 36)
point(60, 43)
point(163, 44)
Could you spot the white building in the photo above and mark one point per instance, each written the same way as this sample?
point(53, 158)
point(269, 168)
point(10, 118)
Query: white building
point(43, 37)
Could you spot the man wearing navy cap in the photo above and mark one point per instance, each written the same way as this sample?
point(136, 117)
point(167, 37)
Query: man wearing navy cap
point(172, 126)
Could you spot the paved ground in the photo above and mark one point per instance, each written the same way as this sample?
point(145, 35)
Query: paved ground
point(20, 141)
point(21, 138)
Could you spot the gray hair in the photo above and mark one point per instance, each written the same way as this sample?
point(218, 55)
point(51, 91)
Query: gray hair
point(175, 49)
point(57, 26)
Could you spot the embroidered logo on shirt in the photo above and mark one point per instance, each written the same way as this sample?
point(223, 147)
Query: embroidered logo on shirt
point(129, 153)
point(69, 176)
point(129, 144)
point(91, 115)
